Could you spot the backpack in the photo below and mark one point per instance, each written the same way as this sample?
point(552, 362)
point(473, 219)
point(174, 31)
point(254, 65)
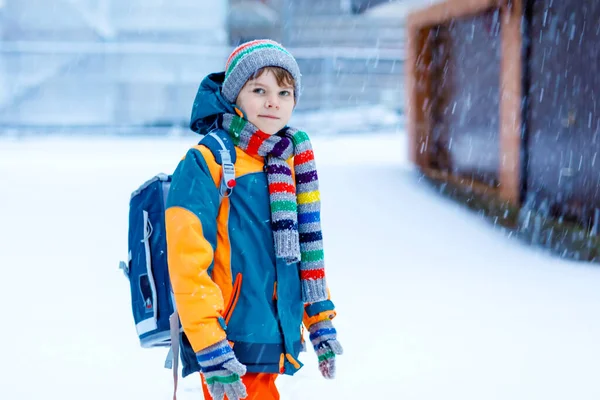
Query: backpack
point(152, 301)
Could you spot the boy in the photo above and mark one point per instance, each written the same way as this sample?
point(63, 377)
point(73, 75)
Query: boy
point(246, 265)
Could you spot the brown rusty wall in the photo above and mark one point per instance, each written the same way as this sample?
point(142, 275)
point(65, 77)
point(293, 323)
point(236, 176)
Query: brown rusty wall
point(511, 84)
point(418, 65)
point(465, 96)
point(473, 129)
point(418, 62)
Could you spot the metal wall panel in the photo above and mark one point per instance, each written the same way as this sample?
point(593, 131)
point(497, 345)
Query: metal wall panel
point(563, 117)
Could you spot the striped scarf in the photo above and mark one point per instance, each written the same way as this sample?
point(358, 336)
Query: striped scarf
point(295, 206)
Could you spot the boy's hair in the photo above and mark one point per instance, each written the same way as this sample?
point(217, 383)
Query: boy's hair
point(283, 77)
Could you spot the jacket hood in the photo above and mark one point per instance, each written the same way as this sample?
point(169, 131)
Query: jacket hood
point(209, 103)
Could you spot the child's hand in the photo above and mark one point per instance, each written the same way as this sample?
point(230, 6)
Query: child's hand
point(323, 337)
point(222, 371)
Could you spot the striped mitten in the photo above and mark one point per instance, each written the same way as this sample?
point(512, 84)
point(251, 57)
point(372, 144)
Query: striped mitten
point(222, 371)
point(323, 337)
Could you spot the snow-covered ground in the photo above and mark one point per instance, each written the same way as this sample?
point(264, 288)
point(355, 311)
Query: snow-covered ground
point(434, 303)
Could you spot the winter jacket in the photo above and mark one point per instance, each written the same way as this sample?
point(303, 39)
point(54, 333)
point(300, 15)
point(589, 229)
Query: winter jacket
point(226, 280)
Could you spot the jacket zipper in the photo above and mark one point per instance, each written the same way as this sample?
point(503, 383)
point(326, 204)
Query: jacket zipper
point(235, 294)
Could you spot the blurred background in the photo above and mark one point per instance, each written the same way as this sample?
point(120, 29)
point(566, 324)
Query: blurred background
point(124, 66)
point(492, 103)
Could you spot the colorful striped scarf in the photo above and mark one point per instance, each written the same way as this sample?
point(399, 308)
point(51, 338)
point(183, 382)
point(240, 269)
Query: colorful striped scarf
point(295, 206)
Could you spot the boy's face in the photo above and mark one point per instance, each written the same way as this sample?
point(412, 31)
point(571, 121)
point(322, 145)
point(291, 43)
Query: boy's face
point(267, 105)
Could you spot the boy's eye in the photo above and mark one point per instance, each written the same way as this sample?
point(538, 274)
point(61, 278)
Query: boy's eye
point(259, 91)
point(285, 93)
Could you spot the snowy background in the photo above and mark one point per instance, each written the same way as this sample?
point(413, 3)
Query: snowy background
point(433, 301)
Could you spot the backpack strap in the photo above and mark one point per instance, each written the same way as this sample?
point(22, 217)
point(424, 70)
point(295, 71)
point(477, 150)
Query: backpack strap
point(223, 149)
point(173, 356)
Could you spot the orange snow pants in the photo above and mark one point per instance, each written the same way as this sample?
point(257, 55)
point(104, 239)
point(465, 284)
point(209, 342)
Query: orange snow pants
point(260, 386)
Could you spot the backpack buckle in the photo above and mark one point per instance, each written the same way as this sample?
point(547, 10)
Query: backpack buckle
point(228, 174)
point(123, 266)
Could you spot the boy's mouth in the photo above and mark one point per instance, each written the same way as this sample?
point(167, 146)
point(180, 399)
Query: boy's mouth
point(268, 116)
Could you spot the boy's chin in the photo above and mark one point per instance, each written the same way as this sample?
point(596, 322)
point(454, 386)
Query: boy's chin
point(270, 129)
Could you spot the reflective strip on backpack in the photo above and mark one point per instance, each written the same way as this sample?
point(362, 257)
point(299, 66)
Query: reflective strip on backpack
point(145, 326)
point(148, 324)
point(227, 168)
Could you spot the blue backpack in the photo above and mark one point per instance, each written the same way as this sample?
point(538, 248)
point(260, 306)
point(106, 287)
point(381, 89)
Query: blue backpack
point(154, 312)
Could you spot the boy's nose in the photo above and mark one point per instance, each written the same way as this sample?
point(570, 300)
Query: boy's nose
point(272, 104)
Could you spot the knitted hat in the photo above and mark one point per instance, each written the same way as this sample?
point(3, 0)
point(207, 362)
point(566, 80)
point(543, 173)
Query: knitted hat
point(249, 57)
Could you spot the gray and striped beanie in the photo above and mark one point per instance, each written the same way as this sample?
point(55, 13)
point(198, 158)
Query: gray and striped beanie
point(249, 57)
